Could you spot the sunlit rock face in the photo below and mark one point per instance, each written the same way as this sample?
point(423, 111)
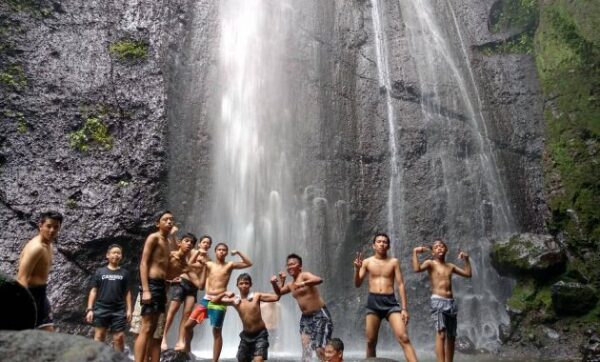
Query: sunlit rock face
point(278, 127)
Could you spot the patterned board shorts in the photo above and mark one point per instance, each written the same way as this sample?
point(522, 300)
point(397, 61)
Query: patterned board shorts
point(136, 320)
point(443, 313)
point(318, 326)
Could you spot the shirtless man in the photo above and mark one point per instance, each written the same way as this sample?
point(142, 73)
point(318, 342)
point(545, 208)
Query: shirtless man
point(316, 324)
point(384, 272)
point(34, 266)
point(254, 339)
point(196, 275)
point(180, 289)
point(443, 306)
point(153, 273)
point(217, 276)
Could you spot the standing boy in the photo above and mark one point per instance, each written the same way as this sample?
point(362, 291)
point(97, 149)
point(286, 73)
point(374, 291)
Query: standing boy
point(384, 272)
point(217, 277)
point(34, 266)
point(443, 306)
point(109, 303)
point(254, 338)
point(153, 272)
point(316, 324)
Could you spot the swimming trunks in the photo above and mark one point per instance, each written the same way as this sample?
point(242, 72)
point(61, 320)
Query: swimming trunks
point(214, 311)
point(158, 301)
point(318, 326)
point(42, 305)
point(112, 320)
point(252, 345)
point(382, 305)
point(181, 290)
point(443, 313)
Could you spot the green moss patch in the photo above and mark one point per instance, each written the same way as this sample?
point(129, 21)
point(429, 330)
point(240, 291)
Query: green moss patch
point(129, 50)
point(513, 15)
point(93, 133)
point(13, 76)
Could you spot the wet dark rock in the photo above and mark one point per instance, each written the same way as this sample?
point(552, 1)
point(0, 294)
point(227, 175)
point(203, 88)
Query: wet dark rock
point(34, 345)
point(465, 345)
point(20, 304)
point(591, 349)
point(504, 332)
point(171, 355)
point(529, 254)
point(570, 298)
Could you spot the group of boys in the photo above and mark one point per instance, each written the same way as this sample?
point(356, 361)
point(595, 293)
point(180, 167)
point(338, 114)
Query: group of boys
point(174, 266)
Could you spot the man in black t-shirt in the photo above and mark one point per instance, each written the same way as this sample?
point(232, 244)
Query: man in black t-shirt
point(109, 304)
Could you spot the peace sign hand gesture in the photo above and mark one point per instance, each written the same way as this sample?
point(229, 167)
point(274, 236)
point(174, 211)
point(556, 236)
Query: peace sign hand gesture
point(358, 260)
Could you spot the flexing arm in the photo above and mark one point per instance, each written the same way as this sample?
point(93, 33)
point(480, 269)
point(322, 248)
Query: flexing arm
point(29, 260)
point(278, 284)
point(360, 270)
point(309, 280)
point(89, 312)
point(269, 298)
point(466, 272)
point(149, 247)
point(225, 297)
point(245, 263)
point(415, 259)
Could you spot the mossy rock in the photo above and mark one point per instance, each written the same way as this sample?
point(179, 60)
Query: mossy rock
point(529, 255)
point(570, 298)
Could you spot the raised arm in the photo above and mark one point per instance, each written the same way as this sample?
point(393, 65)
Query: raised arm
point(466, 272)
point(268, 297)
point(415, 259)
point(149, 246)
point(245, 263)
point(360, 270)
point(278, 284)
point(309, 280)
point(29, 260)
point(401, 290)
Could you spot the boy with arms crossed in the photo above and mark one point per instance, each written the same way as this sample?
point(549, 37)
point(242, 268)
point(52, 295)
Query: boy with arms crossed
point(153, 273)
point(316, 324)
point(109, 303)
point(34, 266)
point(443, 306)
point(217, 277)
point(254, 338)
point(384, 272)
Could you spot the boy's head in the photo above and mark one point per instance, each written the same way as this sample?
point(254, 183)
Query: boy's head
point(334, 350)
point(294, 264)
point(49, 224)
point(439, 248)
point(205, 242)
point(244, 282)
point(187, 242)
point(221, 250)
point(381, 242)
point(164, 220)
point(114, 254)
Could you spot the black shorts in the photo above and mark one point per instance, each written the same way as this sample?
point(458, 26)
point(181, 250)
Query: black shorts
point(180, 291)
point(382, 305)
point(252, 345)
point(158, 290)
point(113, 320)
point(42, 306)
point(318, 326)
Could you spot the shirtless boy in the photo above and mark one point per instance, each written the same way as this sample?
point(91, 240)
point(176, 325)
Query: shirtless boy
point(316, 324)
point(196, 275)
point(443, 306)
point(34, 266)
point(384, 272)
point(153, 273)
point(180, 289)
point(254, 339)
point(217, 277)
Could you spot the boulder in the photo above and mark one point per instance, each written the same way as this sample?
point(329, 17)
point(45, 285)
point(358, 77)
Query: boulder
point(529, 254)
point(20, 304)
point(35, 345)
point(465, 345)
point(591, 349)
point(170, 355)
point(571, 298)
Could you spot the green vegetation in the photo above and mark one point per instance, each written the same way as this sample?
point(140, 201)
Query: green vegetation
point(514, 16)
point(129, 50)
point(93, 133)
point(123, 183)
point(71, 204)
point(13, 76)
point(523, 44)
point(37, 8)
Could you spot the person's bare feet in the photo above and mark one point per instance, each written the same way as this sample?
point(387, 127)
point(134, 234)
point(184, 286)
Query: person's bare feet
point(180, 347)
point(163, 345)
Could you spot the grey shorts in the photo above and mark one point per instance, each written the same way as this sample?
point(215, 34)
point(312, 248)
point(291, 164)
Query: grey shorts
point(252, 345)
point(443, 313)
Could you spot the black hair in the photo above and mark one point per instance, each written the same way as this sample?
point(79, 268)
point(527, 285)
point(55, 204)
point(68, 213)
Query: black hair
point(337, 344)
point(440, 241)
point(219, 244)
point(114, 246)
point(244, 276)
point(381, 234)
point(190, 236)
point(53, 215)
point(205, 237)
point(294, 256)
point(160, 214)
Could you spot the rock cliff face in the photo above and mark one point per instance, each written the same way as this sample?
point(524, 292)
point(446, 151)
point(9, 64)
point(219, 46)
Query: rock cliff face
point(145, 79)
